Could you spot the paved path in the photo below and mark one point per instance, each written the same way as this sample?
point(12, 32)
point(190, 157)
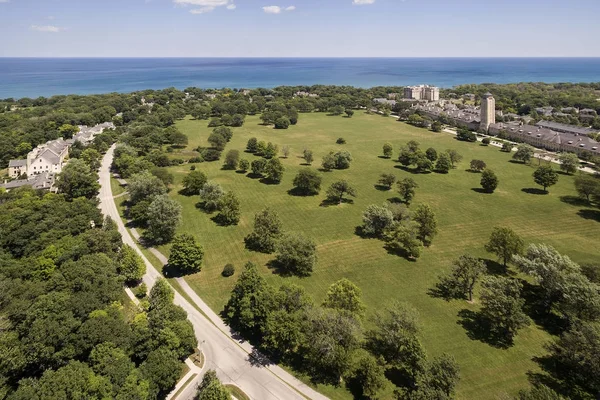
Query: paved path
point(230, 358)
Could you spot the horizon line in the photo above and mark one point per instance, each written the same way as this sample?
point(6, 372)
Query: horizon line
point(299, 57)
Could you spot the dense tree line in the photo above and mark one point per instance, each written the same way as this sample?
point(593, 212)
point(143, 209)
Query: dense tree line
point(65, 333)
point(328, 341)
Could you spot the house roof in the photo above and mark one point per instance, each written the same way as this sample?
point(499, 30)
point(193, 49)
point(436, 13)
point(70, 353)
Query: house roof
point(42, 181)
point(548, 135)
point(565, 127)
point(17, 163)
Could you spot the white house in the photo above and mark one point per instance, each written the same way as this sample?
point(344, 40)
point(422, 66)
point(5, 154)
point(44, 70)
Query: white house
point(48, 157)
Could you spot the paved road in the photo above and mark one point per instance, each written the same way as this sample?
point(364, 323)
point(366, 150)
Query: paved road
point(227, 356)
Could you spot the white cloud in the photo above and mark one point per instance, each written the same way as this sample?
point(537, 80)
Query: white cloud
point(202, 3)
point(205, 6)
point(46, 28)
point(272, 9)
point(362, 2)
point(202, 10)
point(277, 9)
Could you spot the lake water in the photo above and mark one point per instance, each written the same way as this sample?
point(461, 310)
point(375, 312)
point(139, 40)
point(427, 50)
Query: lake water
point(33, 77)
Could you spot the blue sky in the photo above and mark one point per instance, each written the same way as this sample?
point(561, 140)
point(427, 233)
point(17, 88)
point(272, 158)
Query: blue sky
point(299, 28)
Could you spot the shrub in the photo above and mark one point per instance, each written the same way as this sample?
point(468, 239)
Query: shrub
point(486, 141)
point(341, 141)
point(141, 291)
point(282, 123)
point(477, 165)
point(211, 155)
point(228, 271)
point(197, 159)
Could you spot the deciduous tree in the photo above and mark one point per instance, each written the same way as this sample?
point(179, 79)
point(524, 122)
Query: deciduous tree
point(145, 186)
point(307, 182)
point(296, 254)
point(489, 181)
point(461, 280)
point(78, 180)
point(387, 180)
point(569, 162)
point(344, 295)
point(193, 182)
point(267, 230)
point(427, 223)
point(229, 209)
point(164, 215)
point(406, 189)
point(131, 265)
point(211, 194)
point(186, 254)
point(524, 153)
point(545, 176)
point(505, 243)
point(502, 306)
point(387, 150)
point(337, 190)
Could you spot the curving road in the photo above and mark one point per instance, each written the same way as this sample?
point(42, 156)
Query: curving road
point(229, 357)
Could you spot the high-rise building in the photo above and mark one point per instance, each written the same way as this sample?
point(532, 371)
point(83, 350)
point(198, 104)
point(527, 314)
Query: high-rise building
point(422, 92)
point(488, 111)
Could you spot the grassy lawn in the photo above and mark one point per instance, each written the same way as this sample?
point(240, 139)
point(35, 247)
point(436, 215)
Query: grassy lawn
point(116, 187)
point(465, 219)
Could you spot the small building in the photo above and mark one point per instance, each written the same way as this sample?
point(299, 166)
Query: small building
point(16, 168)
point(43, 181)
point(87, 134)
point(381, 100)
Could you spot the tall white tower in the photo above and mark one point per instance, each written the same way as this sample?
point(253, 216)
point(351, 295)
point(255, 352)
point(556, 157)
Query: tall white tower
point(488, 111)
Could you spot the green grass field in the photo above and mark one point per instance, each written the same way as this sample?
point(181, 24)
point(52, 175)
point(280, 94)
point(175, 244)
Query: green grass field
point(465, 218)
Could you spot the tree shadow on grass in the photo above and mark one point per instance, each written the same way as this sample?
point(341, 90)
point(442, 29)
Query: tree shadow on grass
point(396, 200)
point(534, 191)
point(335, 202)
point(220, 221)
point(382, 188)
point(589, 214)
point(398, 377)
point(574, 201)
point(172, 272)
point(384, 157)
point(407, 169)
point(278, 269)
point(517, 162)
point(300, 193)
point(495, 268)
point(481, 191)
point(441, 291)
point(267, 181)
point(305, 164)
point(239, 171)
point(252, 175)
point(479, 328)
point(393, 250)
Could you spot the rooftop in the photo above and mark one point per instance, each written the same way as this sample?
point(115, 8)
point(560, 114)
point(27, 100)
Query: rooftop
point(570, 128)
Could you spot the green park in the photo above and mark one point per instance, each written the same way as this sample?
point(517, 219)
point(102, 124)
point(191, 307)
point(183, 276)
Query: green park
point(466, 216)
